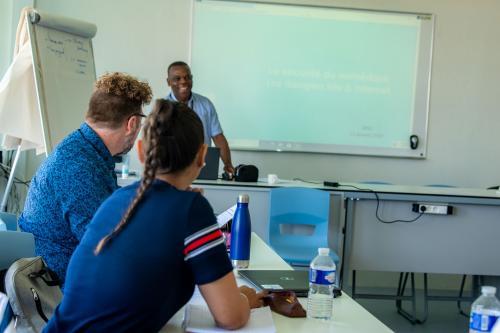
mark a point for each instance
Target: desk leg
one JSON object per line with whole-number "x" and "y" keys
{"x": 347, "y": 239}
{"x": 411, "y": 317}
{"x": 345, "y": 270}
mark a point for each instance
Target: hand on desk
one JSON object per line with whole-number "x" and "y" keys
{"x": 255, "y": 299}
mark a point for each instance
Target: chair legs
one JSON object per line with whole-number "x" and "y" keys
{"x": 460, "y": 295}
{"x": 411, "y": 317}
{"x": 459, "y": 299}
{"x": 476, "y": 281}
{"x": 399, "y": 297}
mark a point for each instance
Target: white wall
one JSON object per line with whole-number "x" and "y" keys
{"x": 5, "y": 34}
{"x": 132, "y": 37}
{"x": 140, "y": 38}
{"x": 9, "y": 17}
{"x": 464, "y": 117}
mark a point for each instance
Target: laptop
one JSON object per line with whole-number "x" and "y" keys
{"x": 275, "y": 280}
{"x": 211, "y": 169}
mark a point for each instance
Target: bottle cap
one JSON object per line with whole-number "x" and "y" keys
{"x": 488, "y": 290}
{"x": 239, "y": 264}
{"x": 243, "y": 198}
{"x": 323, "y": 251}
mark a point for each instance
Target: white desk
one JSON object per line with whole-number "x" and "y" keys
{"x": 463, "y": 243}
{"x": 348, "y": 316}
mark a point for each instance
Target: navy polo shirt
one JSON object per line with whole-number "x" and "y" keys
{"x": 148, "y": 272}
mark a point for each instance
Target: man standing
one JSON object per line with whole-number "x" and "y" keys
{"x": 79, "y": 174}
{"x": 180, "y": 81}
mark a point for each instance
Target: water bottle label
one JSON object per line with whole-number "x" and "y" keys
{"x": 321, "y": 277}
{"x": 482, "y": 322}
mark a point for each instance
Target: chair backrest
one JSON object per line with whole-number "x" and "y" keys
{"x": 298, "y": 207}
{"x": 7, "y": 322}
{"x": 10, "y": 220}
{"x": 15, "y": 245}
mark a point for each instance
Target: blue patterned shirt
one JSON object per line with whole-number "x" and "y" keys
{"x": 65, "y": 193}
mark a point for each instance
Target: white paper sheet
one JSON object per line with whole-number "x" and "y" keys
{"x": 198, "y": 319}
{"x": 19, "y": 113}
{"x": 225, "y": 216}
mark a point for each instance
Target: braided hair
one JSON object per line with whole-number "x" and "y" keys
{"x": 173, "y": 135}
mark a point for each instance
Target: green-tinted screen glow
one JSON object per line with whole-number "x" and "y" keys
{"x": 308, "y": 79}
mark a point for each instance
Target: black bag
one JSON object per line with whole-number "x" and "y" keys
{"x": 246, "y": 173}
{"x": 34, "y": 293}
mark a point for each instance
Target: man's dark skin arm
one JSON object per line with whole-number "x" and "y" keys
{"x": 225, "y": 154}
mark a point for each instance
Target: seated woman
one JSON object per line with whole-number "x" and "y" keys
{"x": 150, "y": 243}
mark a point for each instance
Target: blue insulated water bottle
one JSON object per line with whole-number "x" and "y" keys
{"x": 240, "y": 234}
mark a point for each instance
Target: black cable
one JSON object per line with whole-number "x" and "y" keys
{"x": 14, "y": 197}
{"x": 6, "y": 172}
{"x": 378, "y": 203}
{"x": 460, "y": 294}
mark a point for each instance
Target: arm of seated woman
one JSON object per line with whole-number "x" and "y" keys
{"x": 230, "y": 305}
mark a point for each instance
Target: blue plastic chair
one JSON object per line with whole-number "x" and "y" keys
{"x": 300, "y": 208}
{"x": 15, "y": 245}
{"x": 10, "y": 220}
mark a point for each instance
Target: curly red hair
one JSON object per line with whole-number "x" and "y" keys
{"x": 116, "y": 97}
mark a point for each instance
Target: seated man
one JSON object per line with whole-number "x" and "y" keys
{"x": 151, "y": 242}
{"x": 180, "y": 80}
{"x": 79, "y": 174}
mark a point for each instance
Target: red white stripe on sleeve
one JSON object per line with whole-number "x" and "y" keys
{"x": 202, "y": 241}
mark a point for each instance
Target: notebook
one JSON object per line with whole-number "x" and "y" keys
{"x": 198, "y": 319}
{"x": 297, "y": 281}
{"x": 211, "y": 169}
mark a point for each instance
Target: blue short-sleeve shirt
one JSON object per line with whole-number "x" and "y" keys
{"x": 65, "y": 193}
{"x": 144, "y": 275}
{"x": 204, "y": 108}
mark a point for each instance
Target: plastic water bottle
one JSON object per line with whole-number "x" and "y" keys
{"x": 240, "y": 234}
{"x": 321, "y": 282}
{"x": 125, "y": 166}
{"x": 484, "y": 311}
